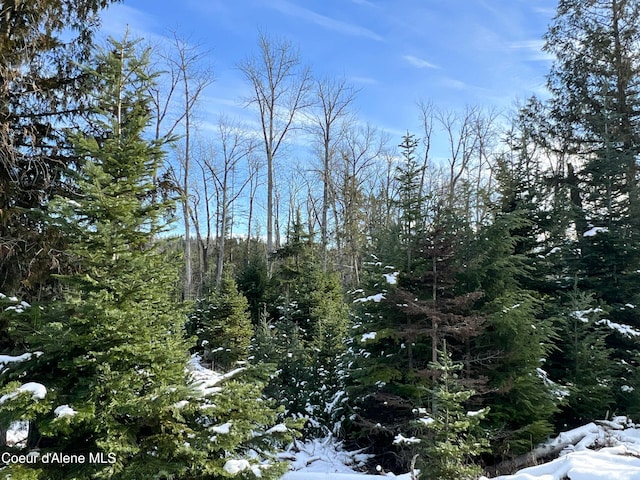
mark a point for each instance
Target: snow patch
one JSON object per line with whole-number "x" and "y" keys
{"x": 205, "y": 379}
{"x": 476, "y": 412}
{"x": 368, "y": 336}
{"x": 17, "y": 433}
{"x": 597, "y": 451}
{"x": 558, "y": 390}
{"x": 391, "y": 278}
{"x": 625, "y": 330}
{"x": 37, "y": 390}
{"x": 223, "y": 429}
{"x": 582, "y": 314}
{"x": 378, "y": 297}
{"x": 5, "y": 359}
{"x": 280, "y": 428}
{"x": 322, "y": 458}
{"x": 401, "y": 440}
{"x": 594, "y": 231}
{"x": 64, "y": 411}
{"x": 234, "y": 467}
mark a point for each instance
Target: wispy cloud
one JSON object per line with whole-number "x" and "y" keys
{"x": 118, "y": 18}
{"x": 419, "y": 62}
{"x": 329, "y": 23}
{"x": 453, "y": 83}
{"x": 366, "y": 3}
{"x": 533, "y": 49}
{"x": 546, "y": 11}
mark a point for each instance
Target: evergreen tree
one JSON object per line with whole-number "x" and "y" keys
{"x": 584, "y": 361}
{"x": 111, "y": 375}
{"x": 456, "y": 437}
{"x": 399, "y": 329}
{"x": 516, "y": 340}
{"x": 310, "y": 325}
{"x": 408, "y": 178}
{"x": 592, "y": 123}
{"x": 223, "y": 326}
{"x": 42, "y": 92}
{"x": 595, "y": 104}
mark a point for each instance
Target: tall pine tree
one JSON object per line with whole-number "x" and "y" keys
{"x": 111, "y": 377}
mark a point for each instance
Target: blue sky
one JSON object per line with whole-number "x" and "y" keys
{"x": 452, "y": 52}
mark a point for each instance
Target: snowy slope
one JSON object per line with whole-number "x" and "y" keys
{"x": 608, "y": 450}
{"x": 324, "y": 459}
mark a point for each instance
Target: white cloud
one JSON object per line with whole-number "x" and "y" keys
{"x": 532, "y": 48}
{"x": 419, "y": 62}
{"x": 329, "y": 23}
{"x": 453, "y": 83}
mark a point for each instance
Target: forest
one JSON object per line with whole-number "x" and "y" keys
{"x": 445, "y": 315}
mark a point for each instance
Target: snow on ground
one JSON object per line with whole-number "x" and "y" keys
{"x": 608, "y": 450}
{"x": 605, "y": 450}
{"x": 324, "y": 459}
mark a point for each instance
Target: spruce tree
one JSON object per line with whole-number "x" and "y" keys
{"x": 408, "y": 176}
{"x": 456, "y": 439}
{"x": 222, "y": 325}
{"x": 310, "y": 323}
{"x": 592, "y": 116}
{"x": 402, "y": 319}
{"x": 595, "y": 103}
{"x": 517, "y": 339}
{"x": 112, "y": 377}
{"x": 584, "y": 361}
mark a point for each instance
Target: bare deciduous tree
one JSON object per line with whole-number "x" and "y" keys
{"x": 329, "y": 120}
{"x": 185, "y": 80}
{"x": 360, "y": 151}
{"x": 235, "y": 146}
{"x": 281, "y": 86}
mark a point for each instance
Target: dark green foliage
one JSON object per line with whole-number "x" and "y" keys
{"x": 252, "y": 282}
{"x": 596, "y": 102}
{"x": 513, "y": 348}
{"x": 113, "y": 348}
{"x": 591, "y": 124}
{"x": 455, "y": 438}
{"x": 305, "y": 332}
{"x": 222, "y": 325}
{"x": 584, "y": 361}
{"x": 42, "y": 91}
{"x": 409, "y": 176}
{"x": 517, "y": 338}
{"x": 396, "y": 337}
